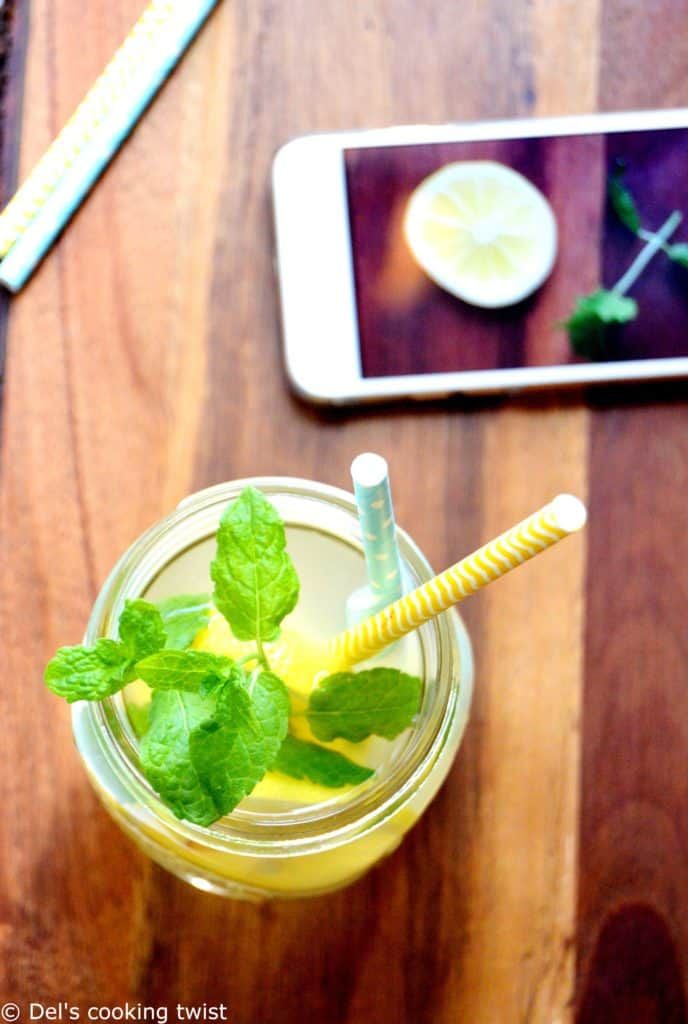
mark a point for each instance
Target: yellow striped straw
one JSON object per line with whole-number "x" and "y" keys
{"x": 562, "y": 516}
{"x": 107, "y": 91}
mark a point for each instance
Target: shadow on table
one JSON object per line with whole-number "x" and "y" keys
{"x": 597, "y": 398}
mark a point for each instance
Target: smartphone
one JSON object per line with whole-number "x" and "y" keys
{"x": 426, "y": 261}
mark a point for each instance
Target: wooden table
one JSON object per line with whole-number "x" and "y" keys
{"x": 549, "y": 881}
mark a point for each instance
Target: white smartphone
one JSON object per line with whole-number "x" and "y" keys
{"x": 426, "y": 261}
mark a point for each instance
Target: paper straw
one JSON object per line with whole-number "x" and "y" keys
{"x": 370, "y": 476}
{"x": 93, "y": 134}
{"x": 562, "y": 516}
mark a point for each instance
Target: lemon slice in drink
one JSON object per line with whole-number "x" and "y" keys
{"x": 483, "y": 232}
{"x": 299, "y": 661}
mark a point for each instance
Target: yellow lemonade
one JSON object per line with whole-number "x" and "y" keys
{"x": 289, "y": 837}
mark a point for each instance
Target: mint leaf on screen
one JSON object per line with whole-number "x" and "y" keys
{"x": 270, "y": 701}
{"x": 622, "y": 201}
{"x": 353, "y": 706}
{"x": 184, "y": 617}
{"x": 255, "y": 581}
{"x": 166, "y": 756}
{"x": 192, "y": 671}
{"x": 141, "y": 629}
{"x": 592, "y": 316}
{"x": 228, "y": 751}
{"x": 88, "y": 673}
{"x": 678, "y": 253}
{"x": 324, "y": 767}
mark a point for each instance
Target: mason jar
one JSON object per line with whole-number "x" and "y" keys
{"x": 264, "y": 849}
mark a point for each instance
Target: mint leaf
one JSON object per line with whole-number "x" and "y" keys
{"x": 679, "y": 253}
{"x": 205, "y": 753}
{"x": 192, "y": 671}
{"x": 622, "y": 201}
{"x": 255, "y": 582}
{"x": 88, "y": 673}
{"x": 377, "y": 702}
{"x": 228, "y": 751}
{"x": 166, "y": 757}
{"x": 324, "y": 767}
{"x": 592, "y": 316}
{"x": 141, "y": 629}
{"x": 93, "y": 673}
{"x": 184, "y": 617}
{"x": 270, "y": 700}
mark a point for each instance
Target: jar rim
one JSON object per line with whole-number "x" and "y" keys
{"x": 326, "y": 822}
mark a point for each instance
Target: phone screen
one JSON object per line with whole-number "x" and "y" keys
{"x": 409, "y": 324}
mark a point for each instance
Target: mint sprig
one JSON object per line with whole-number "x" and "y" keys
{"x": 603, "y": 310}
{"x": 94, "y": 673}
{"x": 354, "y": 705}
{"x": 215, "y": 726}
{"x": 255, "y": 581}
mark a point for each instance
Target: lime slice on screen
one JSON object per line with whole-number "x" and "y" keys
{"x": 483, "y": 232}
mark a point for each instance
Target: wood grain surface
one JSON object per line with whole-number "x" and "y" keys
{"x": 549, "y": 880}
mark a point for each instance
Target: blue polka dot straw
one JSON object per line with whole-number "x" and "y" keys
{"x": 73, "y": 162}
{"x": 378, "y": 533}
